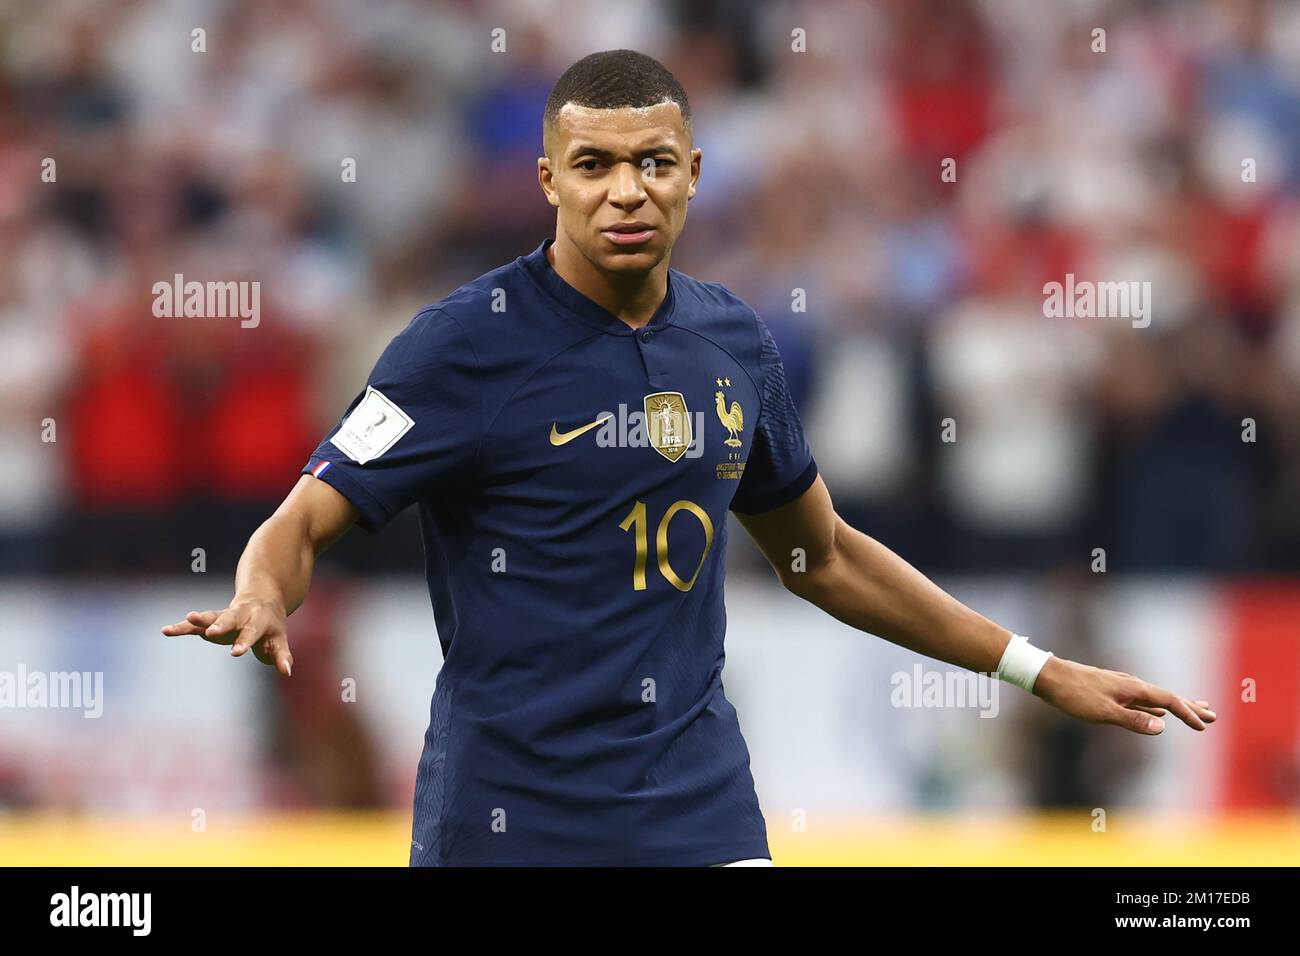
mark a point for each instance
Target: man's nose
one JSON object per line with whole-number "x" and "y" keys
{"x": 627, "y": 187}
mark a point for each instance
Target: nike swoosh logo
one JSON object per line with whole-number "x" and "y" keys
{"x": 560, "y": 438}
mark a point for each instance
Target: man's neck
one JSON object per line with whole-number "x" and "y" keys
{"x": 633, "y": 297}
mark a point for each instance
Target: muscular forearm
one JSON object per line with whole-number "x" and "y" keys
{"x": 273, "y": 575}
{"x": 277, "y": 563}
{"x": 865, "y": 585}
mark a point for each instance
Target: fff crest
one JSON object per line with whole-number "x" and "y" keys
{"x": 668, "y": 423}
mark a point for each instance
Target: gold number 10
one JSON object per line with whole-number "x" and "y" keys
{"x": 637, "y": 516}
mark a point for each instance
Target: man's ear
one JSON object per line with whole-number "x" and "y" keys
{"x": 697, "y": 155}
{"x": 547, "y": 181}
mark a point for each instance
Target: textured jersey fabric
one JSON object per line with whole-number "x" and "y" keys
{"x": 573, "y": 477}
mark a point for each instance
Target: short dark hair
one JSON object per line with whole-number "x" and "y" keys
{"x": 613, "y": 79}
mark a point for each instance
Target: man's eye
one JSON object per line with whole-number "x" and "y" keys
{"x": 589, "y": 165}
{"x": 663, "y": 162}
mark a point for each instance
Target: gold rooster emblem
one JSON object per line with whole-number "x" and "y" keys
{"x": 732, "y": 420}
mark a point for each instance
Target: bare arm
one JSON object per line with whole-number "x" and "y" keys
{"x": 274, "y": 574}
{"x": 859, "y": 581}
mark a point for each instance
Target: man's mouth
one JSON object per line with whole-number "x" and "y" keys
{"x": 628, "y": 233}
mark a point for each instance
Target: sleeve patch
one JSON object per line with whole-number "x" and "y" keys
{"x": 374, "y": 426}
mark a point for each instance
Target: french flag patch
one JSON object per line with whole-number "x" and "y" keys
{"x": 320, "y": 469}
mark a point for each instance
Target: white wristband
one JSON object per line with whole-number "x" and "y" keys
{"x": 1021, "y": 662}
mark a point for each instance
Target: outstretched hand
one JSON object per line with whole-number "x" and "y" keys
{"x": 1111, "y": 697}
{"x": 245, "y": 625}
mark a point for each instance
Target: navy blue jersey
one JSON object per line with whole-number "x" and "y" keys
{"x": 573, "y": 477}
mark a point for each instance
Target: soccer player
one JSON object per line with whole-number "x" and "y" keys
{"x": 574, "y": 427}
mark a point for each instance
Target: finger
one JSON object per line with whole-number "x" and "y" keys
{"x": 225, "y": 629}
{"x": 283, "y": 659}
{"x": 1181, "y": 708}
{"x": 264, "y": 649}
{"x": 274, "y": 651}
{"x": 1203, "y": 708}
{"x": 1185, "y": 712}
{"x": 1137, "y": 721}
{"x": 247, "y": 637}
{"x": 196, "y": 622}
{"x": 1157, "y": 711}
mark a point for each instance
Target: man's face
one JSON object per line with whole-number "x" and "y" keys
{"x": 608, "y": 168}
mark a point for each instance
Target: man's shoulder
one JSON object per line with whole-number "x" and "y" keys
{"x": 483, "y": 315}
{"x": 487, "y": 295}
{"x": 714, "y": 296}
{"x": 714, "y": 311}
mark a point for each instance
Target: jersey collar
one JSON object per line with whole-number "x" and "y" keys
{"x": 588, "y": 310}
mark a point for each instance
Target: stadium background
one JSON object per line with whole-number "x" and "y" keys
{"x": 821, "y": 172}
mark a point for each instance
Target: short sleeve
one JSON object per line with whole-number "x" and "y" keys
{"x": 413, "y": 430}
{"x": 780, "y": 467}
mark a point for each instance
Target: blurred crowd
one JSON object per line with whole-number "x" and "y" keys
{"x": 891, "y": 199}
